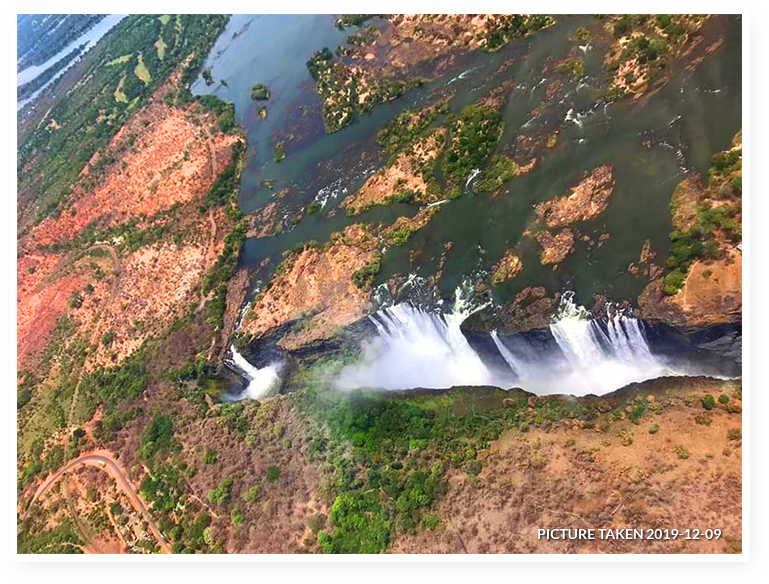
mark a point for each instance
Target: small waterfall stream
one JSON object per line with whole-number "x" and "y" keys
{"x": 261, "y": 382}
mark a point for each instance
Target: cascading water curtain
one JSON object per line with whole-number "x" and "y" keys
{"x": 417, "y": 348}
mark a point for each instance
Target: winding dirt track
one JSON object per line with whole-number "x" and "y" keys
{"x": 68, "y": 261}
{"x": 104, "y": 460}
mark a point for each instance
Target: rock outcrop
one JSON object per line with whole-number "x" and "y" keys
{"x": 589, "y": 198}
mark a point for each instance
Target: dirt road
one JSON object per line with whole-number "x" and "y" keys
{"x": 104, "y": 460}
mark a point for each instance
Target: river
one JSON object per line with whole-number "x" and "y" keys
{"x": 89, "y": 38}
{"x": 693, "y": 116}
{"x": 651, "y": 143}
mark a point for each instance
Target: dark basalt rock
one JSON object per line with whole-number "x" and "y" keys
{"x": 264, "y": 351}
{"x": 484, "y": 345}
{"x": 721, "y": 339}
{"x": 234, "y": 381}
{"x": 540, "y": 340}
{"x": 716, "y": 350}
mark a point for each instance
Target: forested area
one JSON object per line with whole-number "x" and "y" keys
{"x": 127, "y": 69}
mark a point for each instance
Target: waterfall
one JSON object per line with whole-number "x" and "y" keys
{"x": 417, "y": 348}
{"x": 522, "y": 359}
{"x": 592, "y": 356}
{"x": 578, "y": 337}
{"x": 260, "y": 381}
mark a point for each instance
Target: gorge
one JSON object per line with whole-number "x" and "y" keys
{"x": 579, "y": 354}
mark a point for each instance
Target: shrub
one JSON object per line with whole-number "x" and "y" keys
{"x": 75, "y": 300}
{"x": 23, "y": 396}
{"x": 644, "y": 49}
{"x": 501, "y": 170}
{"x": 638, "y": 411}
{"x": 623, "y": 26}
{"x": 708, "y": 401}
{"x": 224, "y": 111}
{"x": 407, "y": 128}
{"x": 221, "y": 494}
{"x": 364, "y": 277}
{"x": 361, "y": 525}
{"x": 431, "y": 521}
{"x": 574, "y": 65}
{"x": 626, "y": 437}
{"x": 474, "y": 467}
{"x": 260, "y": 91}
{"x": 615, "y": 92}
{"x": 253, "y": 493}
{"x": 734, "y": 434}
{"x": 455, "y": 192}
{"x": 723, "y": 398}
{"x": 475, "y": 133}
{"x": 237, "y": 517}
{"x": 581, "y": 35}
{"x": 401, "y": 196}
{"x": 654, "y": 428}
{"x": 510, "y": 26}
{"x": 352, "y": 20}
{"x": 316, "y": 522}
{"x": 158, "y": 436}
{"x": 664, "y": 20}
{"x": 273, "y": 473}
{"x": 682, "y": 452}
{"x": 279, "y": 152}
{"x": 319, "y": 61}
{"x": 210, "y": 457}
